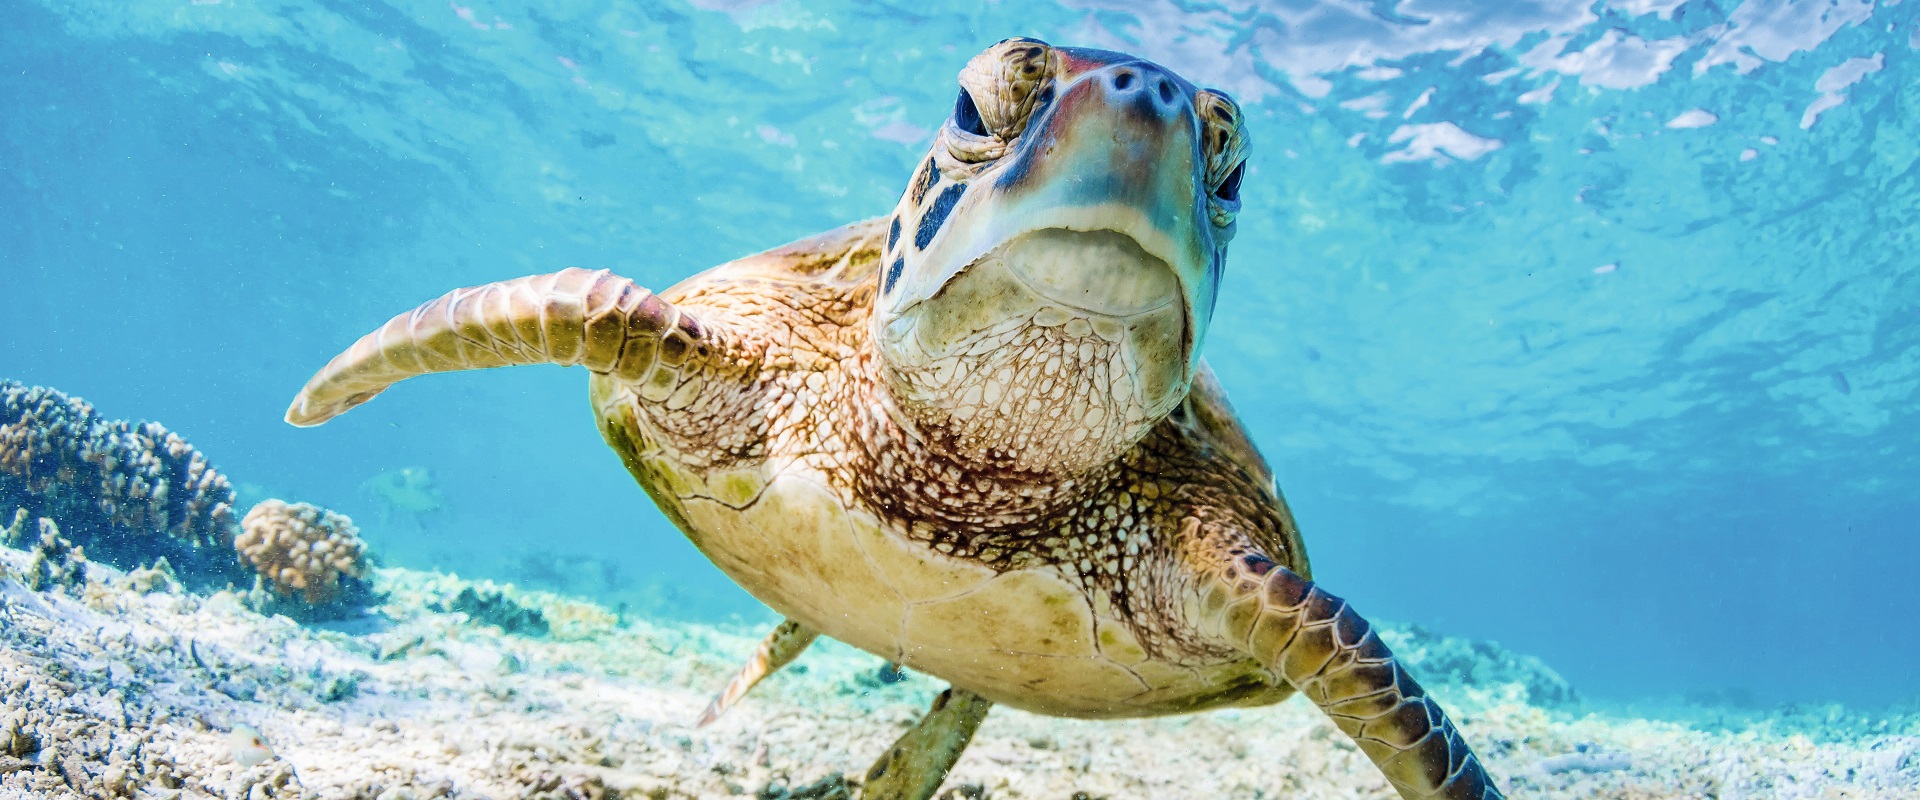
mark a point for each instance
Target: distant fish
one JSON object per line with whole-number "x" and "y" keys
{"x": 1840, "y": 382}
{"x": 1606, "y": 268}
{"x": 408, "y": 493}
{"x": 249, "y": 747}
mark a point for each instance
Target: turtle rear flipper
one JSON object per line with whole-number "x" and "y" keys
{"x": 1318, "y": 644}
{"x": 920, "y": 759}
{"x": 591, "y": 318}
{"x": 780, "y": 648}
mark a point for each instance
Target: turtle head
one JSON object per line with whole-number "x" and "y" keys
{"x": 1050, "y": 270}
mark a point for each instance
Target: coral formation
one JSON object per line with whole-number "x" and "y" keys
{"x": 490, "y": 606}
{"x": 1464, "y": 662}
{"x": 112, "y": 484}
{"x": 155, "y": 578}
{"x": 304, "y": 550}
{"x": 15, "y": 534}
{"x": 56, "y": 561}
{"x": 137, "y": 494}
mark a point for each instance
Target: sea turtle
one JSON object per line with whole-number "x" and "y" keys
{"x": 975, "y": 437}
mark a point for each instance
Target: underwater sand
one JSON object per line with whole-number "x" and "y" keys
{"x": 120, "y": 690}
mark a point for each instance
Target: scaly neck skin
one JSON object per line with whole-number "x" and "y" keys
{"x": 954, "y": 445}
{"x": 1023, "y": 398}
{"x": 1050, "y": 354}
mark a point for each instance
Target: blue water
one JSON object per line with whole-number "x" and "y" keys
{"x": 1593, "y": 329}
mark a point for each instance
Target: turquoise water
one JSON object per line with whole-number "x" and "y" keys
{"x": 1593, "y": 329}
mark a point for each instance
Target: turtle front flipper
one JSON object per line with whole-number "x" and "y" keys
{"x": 1319, "y": 645}
{"x": 780, "y": 648}
{"x": 591, "y": 318}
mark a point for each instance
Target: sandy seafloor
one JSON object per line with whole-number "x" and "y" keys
{"x": 132, "y": 688}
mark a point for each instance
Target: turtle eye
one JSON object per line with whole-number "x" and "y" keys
{"x": 1224, "y": 146}
{"x": 1229, "y": 189}
{"x": 1000, "y": 89}
{"x": 969, "y": 139}
{"x": 966, "y": 115}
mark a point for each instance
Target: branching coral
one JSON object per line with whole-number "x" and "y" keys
{"x": 15, "y": 534}
{"x": 135, "y": 494}
{"x": 56, "y": 561}
{"x": 183, "y": 494}
{"x": 43, "y": 436}
{"x": 112, "y": 484}
{"x": 304, "y": 550}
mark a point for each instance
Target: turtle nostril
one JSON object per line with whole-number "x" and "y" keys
{"x": 1166, "y": 90}
{"x": 1122, "y": 80}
